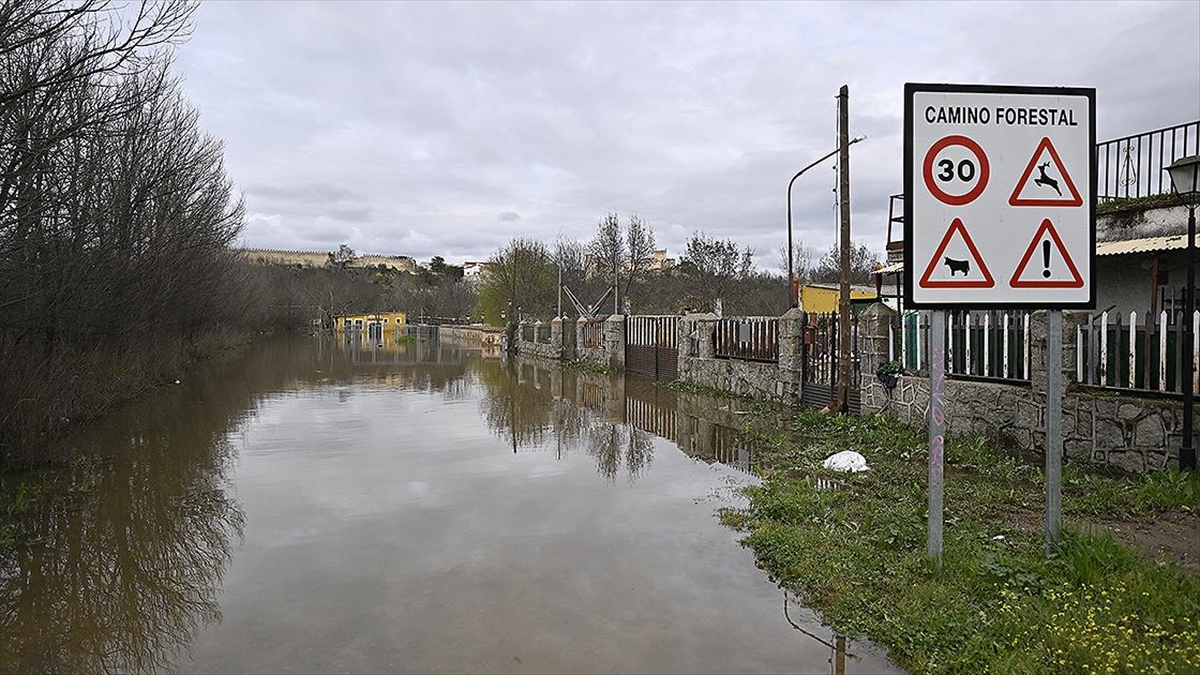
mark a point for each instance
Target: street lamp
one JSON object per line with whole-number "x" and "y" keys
{"x": 1185, "y": 175}
{"x": 791, "y": 296}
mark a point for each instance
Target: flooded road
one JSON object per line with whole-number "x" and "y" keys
{"x": 320, "y": 507}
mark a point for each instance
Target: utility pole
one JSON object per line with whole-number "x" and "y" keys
{"x": 615, "y": 284}
{"x": 843, "y": 370}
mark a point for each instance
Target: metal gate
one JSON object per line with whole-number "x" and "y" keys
{"x": 820, "y": 359}
{"x": 652, "y": 346}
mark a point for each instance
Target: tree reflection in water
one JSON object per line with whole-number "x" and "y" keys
{"x": 116, "y": 562}
{"x": 547, "y": 408}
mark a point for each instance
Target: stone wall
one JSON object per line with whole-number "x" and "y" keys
{"x": 1122, "y": 430}
{"x": 471, "y": 336}
{"x": 552, "y": 348}
{"x": 611, "y": 353}
{"x": 698, "y": 365}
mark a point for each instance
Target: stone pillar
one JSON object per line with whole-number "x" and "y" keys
{"x": 702, "y": 332}
{"x": 556, "y": 336}
{"x": 791, "y": 355}
{"x": 519, "y": 339}
{"x": 537, "y": 327}
{"x": 1037, "y": 353}
{"x": 614, "y": 341}
{"x": 580, "y": 345}
{"x": 874, "y": 327}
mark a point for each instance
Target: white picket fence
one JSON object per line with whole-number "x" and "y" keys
{"x": 1144, "y": 353}
{"x": 993, "y": 345}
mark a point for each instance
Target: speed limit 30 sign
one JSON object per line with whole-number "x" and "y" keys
{"x": 1000, "y": 194}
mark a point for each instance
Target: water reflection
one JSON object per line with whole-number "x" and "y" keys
{"x": 836, "y": 643}
{"x": 611, "y": 417}
{"x": 116, "y": 564}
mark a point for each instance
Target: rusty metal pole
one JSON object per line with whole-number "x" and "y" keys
{"x": 843, "y": 374}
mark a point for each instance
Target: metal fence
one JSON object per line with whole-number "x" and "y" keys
{"x": 819, "y": 358}
{"x": 1144, "y": 353}
{"x": 541, "y": 333}
{"x": 1133, "y": 166}
{"x": 653, "y": 331}
{"x": 593, "y": 333}
{"x": 991, "y": 345}
{"x": 747, "y": 338}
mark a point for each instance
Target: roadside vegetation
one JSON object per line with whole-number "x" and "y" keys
{"x": 853, "y": 546}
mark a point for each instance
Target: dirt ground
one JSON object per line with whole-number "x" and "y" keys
{"x": 1173, "y": 535}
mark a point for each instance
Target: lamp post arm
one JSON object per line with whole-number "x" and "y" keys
{"x": 789, "y": 216}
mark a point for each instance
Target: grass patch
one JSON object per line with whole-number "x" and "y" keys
{"x": 582, "y": 366}
{"x": 853, "y": 546}
{"x": 701, "y": 390}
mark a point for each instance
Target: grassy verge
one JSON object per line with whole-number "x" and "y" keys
{"x": 582, "y": 366}
{"x": 854, "y": 547}
{"x": 699, "y": 389}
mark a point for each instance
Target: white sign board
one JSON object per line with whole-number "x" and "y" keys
{"x": 1000, "y": 196}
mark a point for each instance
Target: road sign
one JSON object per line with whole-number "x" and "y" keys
{"x": 1000, "y": 195}
{"x": 966, "y": 270}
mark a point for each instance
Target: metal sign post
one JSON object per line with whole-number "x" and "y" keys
{"x": 937, "y": 431}
{"x": 1054, "y": 441}
{"x": 999, "y": 213}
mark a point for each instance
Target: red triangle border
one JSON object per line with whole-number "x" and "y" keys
{"x": 1046, "y": 226}
{"x": 1015, "y": 198}
{"x": 986, "y": 282}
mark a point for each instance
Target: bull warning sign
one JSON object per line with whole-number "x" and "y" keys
{"x": 957, "y": 263}
{"x": 1000, "y": 194}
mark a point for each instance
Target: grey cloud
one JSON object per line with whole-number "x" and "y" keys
{"x": 509, "y": 216}
{"x": 412, "y": 125}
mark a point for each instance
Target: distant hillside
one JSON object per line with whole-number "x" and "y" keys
{"x": 269, "y": 256}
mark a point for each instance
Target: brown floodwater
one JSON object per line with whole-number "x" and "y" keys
{"x": 325, "y": 506}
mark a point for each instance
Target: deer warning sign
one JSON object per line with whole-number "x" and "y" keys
{"x": 1050, "y": 187}
{"x": 1000, "y": 195}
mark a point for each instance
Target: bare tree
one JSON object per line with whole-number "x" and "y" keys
{"x": 606, "y": 251}
{"x": 640, "y": 246}
{"x": 801, "y": 261}
{"x": 862, "y": 263}
{"x": 715, "y": 263}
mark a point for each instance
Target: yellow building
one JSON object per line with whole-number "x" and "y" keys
{"x": 375, "y": 323}
{"x": 823, "y": 298}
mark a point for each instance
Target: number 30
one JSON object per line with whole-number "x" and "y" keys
{"x": 966, "y": 170}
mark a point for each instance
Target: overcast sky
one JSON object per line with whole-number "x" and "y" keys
{"x": 428, "y": 128}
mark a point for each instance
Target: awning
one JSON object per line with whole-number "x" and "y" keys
{"x": 889, "y": 269}
{"x": 1174, "y": 242}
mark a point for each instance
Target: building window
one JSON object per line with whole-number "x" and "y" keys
{"x": 385, "y": 320}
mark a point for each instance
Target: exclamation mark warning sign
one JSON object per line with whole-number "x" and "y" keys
{"x": 1054, "y": 268}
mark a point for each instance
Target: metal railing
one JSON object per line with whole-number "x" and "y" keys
{"x": 992, "y": 345}
{"x": 747, "y": 338}
{"x": 1132, "y": 166}
{"x": 653, "y": 331}
{"x": 1145, "y": 357}
{"x": 593, "y": 333}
